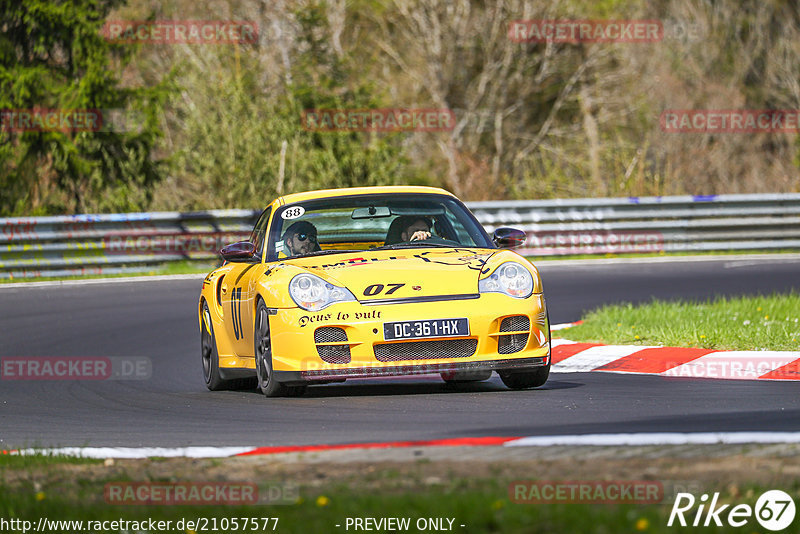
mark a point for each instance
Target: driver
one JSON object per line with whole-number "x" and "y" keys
{"x": 300, "y": 238}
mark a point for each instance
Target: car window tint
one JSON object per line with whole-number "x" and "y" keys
{"x": 260, "y": 231}
{"x": 342, "y": 223}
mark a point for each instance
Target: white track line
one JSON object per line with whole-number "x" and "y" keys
{"x": 658, "y": 438}
{"x": 141, "y": 452}
{"x": 95, "y": 281}
{"x": 669, "y": 259}
{"x": 562, "y": 326}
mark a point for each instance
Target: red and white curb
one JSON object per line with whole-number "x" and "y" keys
{"x": 224, "y": 452}
{"x": 683, "y": 362}
{"x": 598, "y": 440}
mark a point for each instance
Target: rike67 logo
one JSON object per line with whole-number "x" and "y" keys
{"x": 774, "y": 510}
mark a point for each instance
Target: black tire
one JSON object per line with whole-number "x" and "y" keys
{"x": 529, "y": 379}
{"x": 210, "y": 359}
{"x": 467, "y": 377}
{"x": 208, "y": 353}
{"x": 267, "y": 383}
{"x": 525, "y": 379}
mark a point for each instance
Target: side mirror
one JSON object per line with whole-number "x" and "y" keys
{"x": 505, "y": 237}
{"x": 242, "y": 250}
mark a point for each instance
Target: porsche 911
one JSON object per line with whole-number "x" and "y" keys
{"x": 372, "y": 282}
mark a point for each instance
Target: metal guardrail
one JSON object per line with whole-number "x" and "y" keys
{"x": 33, "y": 247}
{"x": 650, "y": 224}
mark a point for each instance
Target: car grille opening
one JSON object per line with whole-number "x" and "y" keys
{"x": 329, "y": 334}
{"x": 332, "y": 353}
{"x": 512, "y": 343}
{"x": 425, "y": 350}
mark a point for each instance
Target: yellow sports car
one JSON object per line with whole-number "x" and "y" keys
{"x": 372, "y": 282}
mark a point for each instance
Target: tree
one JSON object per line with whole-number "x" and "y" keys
{"x": 237, "y": 134}
{"x": 53, "y": 57}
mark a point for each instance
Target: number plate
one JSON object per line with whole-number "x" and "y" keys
{"x": 429, "y": 328}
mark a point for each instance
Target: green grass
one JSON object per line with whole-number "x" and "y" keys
{"x": 27, "y": 461}
{"x": 745, "y": 323}
{"x": 482, "y": 508}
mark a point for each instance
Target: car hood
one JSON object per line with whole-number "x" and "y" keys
{"x": 403, "y": 273}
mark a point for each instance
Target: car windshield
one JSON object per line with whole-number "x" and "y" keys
{"x": 371, "y": 222}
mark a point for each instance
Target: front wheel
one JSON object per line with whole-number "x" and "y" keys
{"x": 525, "y": 379}
{"x": 465, "y": 377}
{"x": 263, "y": 353}
{"x": 530, "y": 379}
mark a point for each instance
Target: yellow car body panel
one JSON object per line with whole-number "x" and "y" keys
{"x": 391, "y": 286}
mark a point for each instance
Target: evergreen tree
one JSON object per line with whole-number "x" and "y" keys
{"x": 53, "y": 57}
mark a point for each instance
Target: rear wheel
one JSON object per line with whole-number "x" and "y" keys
{"x": 209, "y": 354}
{"x": 210, "y": 359}
{"x": 267, "y": 383}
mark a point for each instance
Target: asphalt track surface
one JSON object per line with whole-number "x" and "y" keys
{"x": 157, "y": 319}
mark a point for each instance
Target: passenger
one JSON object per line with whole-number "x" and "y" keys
{"x": 417, "y": 230}
{"x": 408, "y": 228}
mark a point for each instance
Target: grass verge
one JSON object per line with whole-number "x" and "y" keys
{"x": 744, "y": 323}
{"x": 478, "y": 510}
{"x": 29, "y": 461}
{"x": 473, "y": 494}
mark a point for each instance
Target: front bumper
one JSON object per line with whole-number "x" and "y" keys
{"x": 296, "y": 356}
{"x": 298, "y": 377}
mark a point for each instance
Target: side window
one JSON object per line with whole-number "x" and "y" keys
{"x": 260, "y": 231}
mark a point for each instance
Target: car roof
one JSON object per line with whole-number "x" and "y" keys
{"x": 347, "y": 191}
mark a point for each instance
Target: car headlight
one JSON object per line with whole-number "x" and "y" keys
{"x": 312, "y": 293}
{"x": 510, "y": 278}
